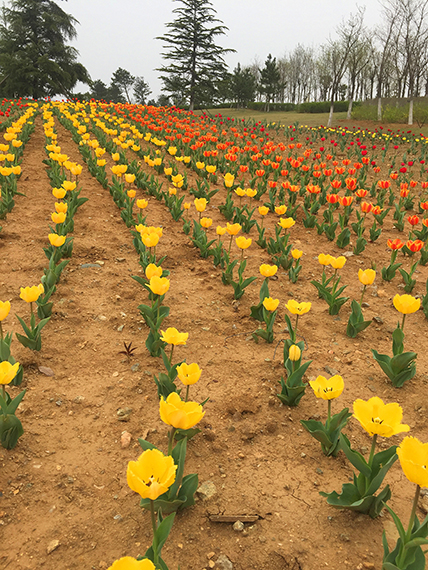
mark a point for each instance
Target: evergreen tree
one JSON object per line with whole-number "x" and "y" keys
{"x": 34, "y": 58}
{"x": 141, "y": 91}
{"x": 123, "y": 81}
{"x": 270, "y": 79}
{"x": 243, "y": 85}
{"x": 196, "y": 63}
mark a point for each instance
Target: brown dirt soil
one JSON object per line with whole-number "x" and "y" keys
{"x": 66, "y": 479}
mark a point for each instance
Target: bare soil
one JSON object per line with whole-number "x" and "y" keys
{"x": 66, "y": 479}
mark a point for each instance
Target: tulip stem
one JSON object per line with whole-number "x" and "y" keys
{"x": 402, "y": 322}
{"x": 187, "y": 392}
{"x": 362, "y": 295}
{"x": 328, "y": 412}
{"x": 154, "y": 526}
{"x": 403, "y": 549}
{"x": 170, "y": 356}
{"x": 295, "y": 326}
{"x": 171, "y": 440}
{"x": 1, "y": 332}
{"x": 372, "y": 450}
{"x": 3, "y": 392}
{"x": 413, "y": 513}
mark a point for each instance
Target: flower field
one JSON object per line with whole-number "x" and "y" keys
{"x": 207, "y": 328}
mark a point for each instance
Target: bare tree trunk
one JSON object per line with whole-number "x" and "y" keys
{"x": 348, "y": 114}
{"x": 330, "y": 117}
{"x": 410, "y": 121}
{"x": 379, "y": 108}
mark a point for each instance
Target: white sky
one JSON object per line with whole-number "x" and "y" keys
{"x": 114, "y": 34}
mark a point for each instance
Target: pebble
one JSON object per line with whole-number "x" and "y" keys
{"x": 238, "y": 526}
{"x": 120, "y": 328}
{"x": 53, "y": 545}
{"x": 124, "y": 414}
{"x": 101, "y": 318}
{"x": 135, "y": 367}
{"x": 120, "y": 259}
{"x": 46, "y": 371}
{"x": 330, "y": 370}
{"x": 207, "y": 490}
{"x": 378, "y": 320}
{"x": 88, "y": 265}
{"x": 99, "y": 262}
{"x": 224, "y": 563}
{"x": 125, "y": 439}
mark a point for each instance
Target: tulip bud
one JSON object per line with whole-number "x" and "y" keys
{"x": 294, "y": 353}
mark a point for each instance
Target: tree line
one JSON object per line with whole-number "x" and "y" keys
{"x": 358, "y": 63}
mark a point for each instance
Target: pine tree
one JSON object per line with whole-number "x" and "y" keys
{"x": 196, "y": 63}
{"x": 34, "y": 58}
{"x": 270, "y": 79}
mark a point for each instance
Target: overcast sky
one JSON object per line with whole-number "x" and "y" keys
{"x": 114, "y": 34}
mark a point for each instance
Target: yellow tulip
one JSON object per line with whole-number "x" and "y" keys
{"x": 296, "y": 308}
{"x": 250, "y": 192}
{"x": 172, "y": 336}
{"x": 61, "y": 207}
{"x": 210, "y": 168}
{"x": 101, "y": 162}
{"x": 406, "y": 304}
{"x": 296, "y": 253}
{"x": 142, "y": 204}
{"x": 56, "y": 240}
{"x": 130, "y": 178}
{"x": 187, "y": 205}
{"x": 294, "y": 353}
{"x": 31, "y": 294}
{"x": 240, "y": 192}
{"x": 189, "y": 373}
{"x": 172, "y": 150}
{"x": 233, "y": 229}
{"x": 268, "y": 270}
{"x": 228, "y": 180}
{"x": 243, "y": 242}
{"x": 150, "y": 240}
{"x": 206, "y": 222}
{"x": 413, "y": 456}
{"x": 181, "y": 415}
{"x": 59, "y": 193}
{"x": 200, "y": 204}
{"x": 324, "y": 259}
{"x": 263, "y": 210}
{"x": 152, "y": 474}
{"x": 4, "y": 310}
{"x": 8, "y": 371}
{"x": 131, "y": 193}
{"x": 200, "y": 165}
{"x": 178, "y": 180}
{"x": 58, "y": 218}
{"x": 69, "y": 186}
{"x": 129, "y": 563}
{"x": 220, "y": 231}
{"x": 327, "y": 389}
{"x": 270, "y": 304}
{"x": 286, "y": 223}
{"x": 280, "y": 210}
{"x": 367, "y": 276}
{"x": 337, "y": 262}
{"x": 159, "y": 285}
{"x": 152, "y": 270}
{"x": 115, "y": 156}
{"x": 379, "y": 418}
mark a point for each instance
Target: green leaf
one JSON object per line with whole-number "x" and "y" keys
{"x": 355, "y": 458}
{"x": 12, "y": 406}
{"x": 145, "y": 445}
{"x": 10, "y": 430}
{"x": 163, "y": 531}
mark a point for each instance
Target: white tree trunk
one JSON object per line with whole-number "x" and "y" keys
{"x": 348, "y": 114}
{"x": 379, "y": 109}
{"x": 410, "y": 121}
{"x": 330, "y": 117}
